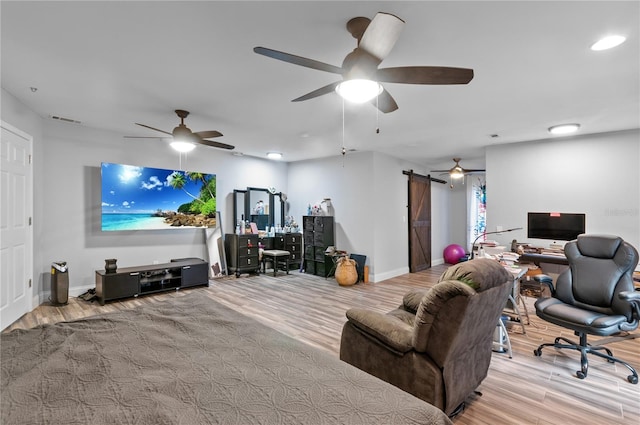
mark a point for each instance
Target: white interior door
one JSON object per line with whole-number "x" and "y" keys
{"x": 16, "y": 253}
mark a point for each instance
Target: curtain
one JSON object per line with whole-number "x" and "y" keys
{"x": 477, "y": 213}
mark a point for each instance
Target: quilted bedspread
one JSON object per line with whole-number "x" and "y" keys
{"x": 188, "y": 360}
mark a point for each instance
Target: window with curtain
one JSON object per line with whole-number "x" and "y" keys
{"x": 477, "y": 214}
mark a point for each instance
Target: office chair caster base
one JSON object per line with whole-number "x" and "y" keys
{"x": 580, "y": 374}
{"x": 537, "y": 352}
{"x": 633, "y": 379}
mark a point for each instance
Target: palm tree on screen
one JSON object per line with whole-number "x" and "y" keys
{"x": 177, "y": 180}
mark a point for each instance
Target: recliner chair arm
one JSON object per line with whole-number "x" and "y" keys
{"x": 634, "y": 299}
{"x": 389, "y": 330}
{"x": 544, "y": 279}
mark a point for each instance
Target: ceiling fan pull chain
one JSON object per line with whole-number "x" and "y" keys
{"x": 377, "y": 113}
{"x": 344, "y": 151}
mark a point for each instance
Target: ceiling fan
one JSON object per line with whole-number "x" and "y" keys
{"x": 183, "y": 134}
{"x": 375, "y": 38}
{"x": 457, "y": 172}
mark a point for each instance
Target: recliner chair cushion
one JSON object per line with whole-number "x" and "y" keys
{"x": 430, "y": 307}
{"x": 480, "y": 274}
{"x": 411, "y": 300}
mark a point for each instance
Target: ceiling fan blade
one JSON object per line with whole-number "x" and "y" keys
{"x": 381, "y": 35}
{"x": 425, "y": 75}
{"x": 215, "y": 144}
{"x": 153, "y": 128}
{"x": 208, "y": 134}
{"x": 466, "y": 171}
{"x": 319, "y": 92}
{"x": 298, "y": 60}
{"x": 385, "y": 102}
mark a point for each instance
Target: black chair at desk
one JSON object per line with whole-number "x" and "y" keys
{"x": 595, "y": 296}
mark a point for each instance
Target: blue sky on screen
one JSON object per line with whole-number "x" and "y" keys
{"x": 132, "y": 189}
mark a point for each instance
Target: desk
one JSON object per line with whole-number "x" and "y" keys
{"x": 529, "y": 257}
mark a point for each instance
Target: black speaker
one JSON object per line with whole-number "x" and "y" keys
{"x": 59, "y": 283}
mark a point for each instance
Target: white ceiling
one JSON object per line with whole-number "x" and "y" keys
{"x": 110, "y": 64}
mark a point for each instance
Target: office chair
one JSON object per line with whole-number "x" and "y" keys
{"x": 594, "y": 296}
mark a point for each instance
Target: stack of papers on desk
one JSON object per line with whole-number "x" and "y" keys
{"x": 509, "y": 258}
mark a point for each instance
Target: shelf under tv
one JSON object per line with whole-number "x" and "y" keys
{"x": 134, "y": 281}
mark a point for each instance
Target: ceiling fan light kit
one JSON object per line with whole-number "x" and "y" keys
{"x": 182, "y": 146}
{"x": 456, "y": 173}
{"x": 358, "y": 90}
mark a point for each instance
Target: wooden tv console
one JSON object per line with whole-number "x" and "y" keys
{"x": 133, "y": 281}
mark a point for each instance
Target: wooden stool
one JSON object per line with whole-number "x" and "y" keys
{"x": 275, "y": 256}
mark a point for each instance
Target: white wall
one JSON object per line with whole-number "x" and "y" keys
{"x": 369, "y": 201}
{"x": 368, "y": 194}
{"x": 598, "y": 175}
{"x": 67, "y": 200}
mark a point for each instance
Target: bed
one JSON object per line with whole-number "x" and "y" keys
{"x": 188, "y": 360}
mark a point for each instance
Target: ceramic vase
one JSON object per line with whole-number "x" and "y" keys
{"x": 110, "y": 265}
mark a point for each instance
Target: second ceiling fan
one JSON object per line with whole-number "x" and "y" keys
{"x": 183, "y": 134}
{"x": 375, "y": 38}
{"x": 457, "y": 172}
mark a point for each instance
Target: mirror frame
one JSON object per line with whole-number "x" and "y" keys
{"x": 237, "y": 192}
{"x": 272, "y": 203}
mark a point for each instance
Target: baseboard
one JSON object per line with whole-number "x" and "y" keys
{"x": 379, "y": 277}
{"x": 45, "y": 297}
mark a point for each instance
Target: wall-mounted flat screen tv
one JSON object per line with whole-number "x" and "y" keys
{"x": 554, "y": 225}
{"x": 144, "y": 198}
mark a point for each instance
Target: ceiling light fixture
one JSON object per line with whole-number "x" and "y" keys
{"x": 358, "y": 90}
{"x": 564, "y": 128}
{"x": 182, "y": 146}
{"x": 274, "y": 155}
{"x": 456, "y": 173}
{"x": 608, "y": 42}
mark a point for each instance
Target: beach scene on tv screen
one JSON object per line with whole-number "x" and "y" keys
{"x": 145, "y": 198}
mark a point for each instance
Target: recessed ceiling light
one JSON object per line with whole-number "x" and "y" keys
{"x": 608, "y": 42}
{"x": 274, "y": 155}
{"x": 564, "y": 128}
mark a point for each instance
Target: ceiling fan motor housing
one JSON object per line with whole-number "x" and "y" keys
{"x": 360, "y": 64}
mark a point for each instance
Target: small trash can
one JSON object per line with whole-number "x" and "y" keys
{"x": 59, "y": 283}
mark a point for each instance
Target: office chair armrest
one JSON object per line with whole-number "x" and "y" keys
{"x": 633, "y": 297}
{"x": 630, "y": 296}
{"x": 543, "y": 279}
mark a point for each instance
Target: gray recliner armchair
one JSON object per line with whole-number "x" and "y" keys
{"x": 595, "y": 296}
{"x": 437, "y": 344}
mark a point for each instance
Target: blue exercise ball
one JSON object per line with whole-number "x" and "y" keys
{"x": 453, "y": 253}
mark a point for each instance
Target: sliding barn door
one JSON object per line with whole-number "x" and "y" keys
{"x": 419, "y": 222}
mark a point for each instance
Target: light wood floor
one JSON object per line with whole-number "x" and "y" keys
{"x": 522, "y": 390}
